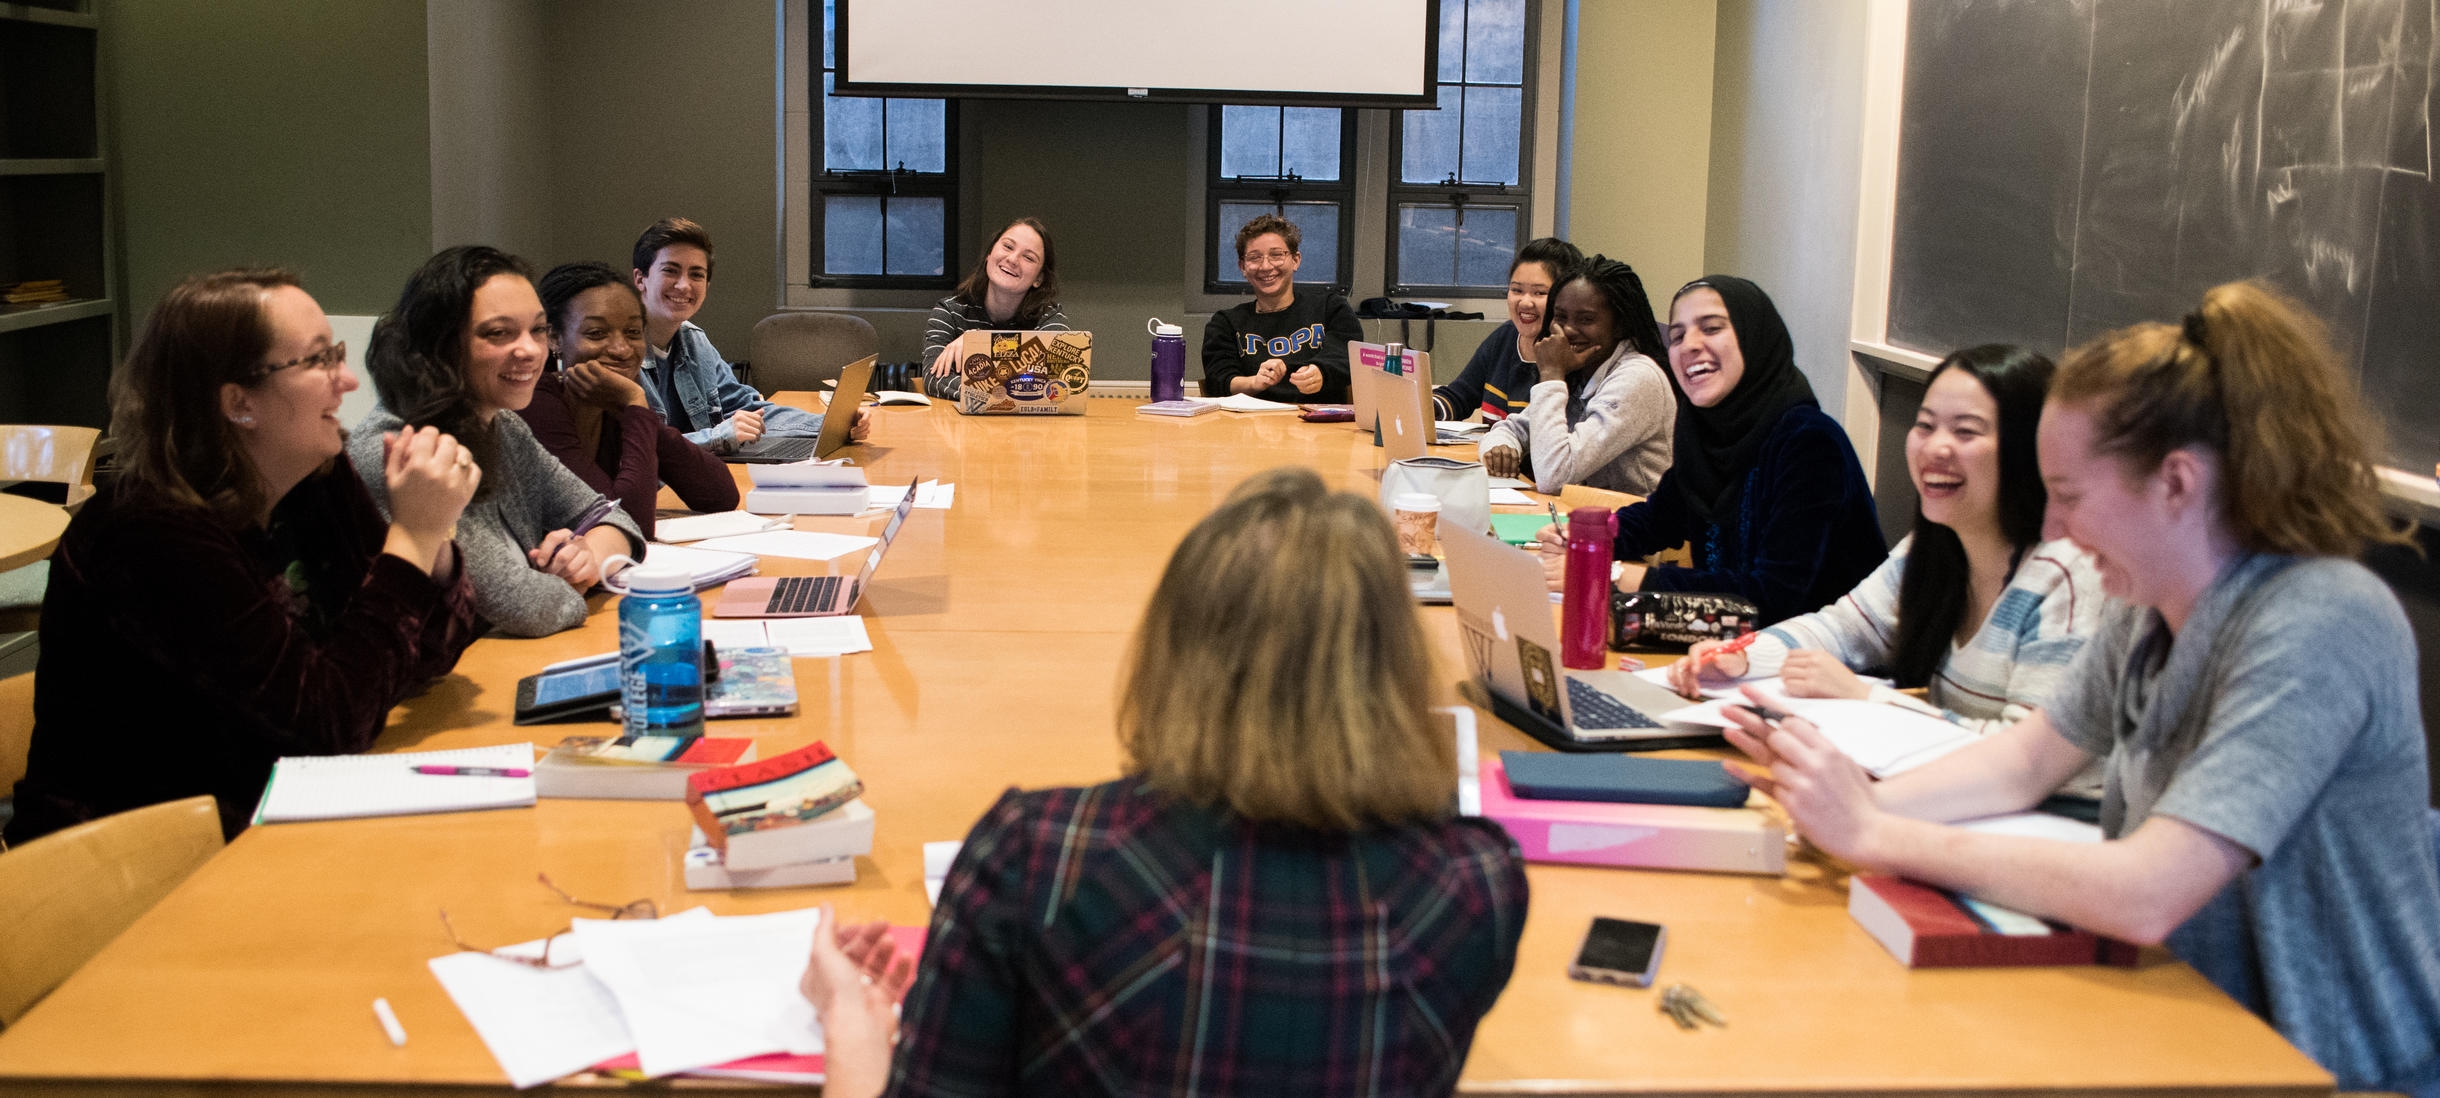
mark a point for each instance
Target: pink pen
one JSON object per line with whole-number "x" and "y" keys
{"x": 473, "y": 771}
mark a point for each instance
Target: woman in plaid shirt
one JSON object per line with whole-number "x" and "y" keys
{"x": 1275, "y": 899}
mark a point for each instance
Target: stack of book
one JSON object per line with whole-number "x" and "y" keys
{"x": 807, "y": 488}
{"x": 640, "y": 768}
{"x": 34, "y": 293}
{"x": 792, "y": 819}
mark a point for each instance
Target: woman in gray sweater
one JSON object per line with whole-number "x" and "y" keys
{"x": 466, "y": 342}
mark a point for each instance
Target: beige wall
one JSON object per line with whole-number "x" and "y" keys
{"x": 1786, "y": 168}
{"x": 263, "y": 132}
{"x": 492, "y": 181}
{"x": 1641, "y": 186}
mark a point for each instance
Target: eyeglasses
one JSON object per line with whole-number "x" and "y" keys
{"x": 635, "y": 909}
{"x": 328, "y": 360}
{"x": 1267, "y": 259}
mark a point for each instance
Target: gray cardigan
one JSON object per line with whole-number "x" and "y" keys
{"x": 527, "y": 497}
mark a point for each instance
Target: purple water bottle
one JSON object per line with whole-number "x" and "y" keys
{"x": 1168, "y": 360}
{"x": 1584, "y": 605}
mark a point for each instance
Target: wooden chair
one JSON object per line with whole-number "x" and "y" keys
{"x": 52, "y": 455}
{"x": 1584, "y": 495}
{"x": 803, "y": 349}
{"x": 66, "y": 895}
{"x": 16, "y": 727}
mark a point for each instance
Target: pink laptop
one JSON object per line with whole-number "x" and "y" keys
{"x": 810, "y": 596}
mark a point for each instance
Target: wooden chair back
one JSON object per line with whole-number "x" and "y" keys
{"x": 68, "y": 894}
{"x": 53, "y": 455}
{"x": 16, "y": 727}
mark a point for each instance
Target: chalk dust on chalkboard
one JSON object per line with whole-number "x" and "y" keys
{"x": 2067, "y": 167}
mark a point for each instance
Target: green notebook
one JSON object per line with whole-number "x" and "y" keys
{"x": 1518, "y": 528}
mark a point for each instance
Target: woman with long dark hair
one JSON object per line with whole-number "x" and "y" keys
{"x": 466, "y": 342}
{"x": 1973, "y": 607}
{"x": 1013, "y": 287}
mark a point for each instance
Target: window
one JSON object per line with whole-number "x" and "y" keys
{"x": 1297, "y": 162}
{"x": 884, "y": 185}
{"x": 1458, "y": 204}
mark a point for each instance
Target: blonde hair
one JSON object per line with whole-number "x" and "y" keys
{"x": 2250, "y": 376}
{"x": 1280, "y": 670}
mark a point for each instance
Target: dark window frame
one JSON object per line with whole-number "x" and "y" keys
{"x": 883, "y": 183}
{"x": 1278, "y": 192}
{"x": 1517, "y": 196}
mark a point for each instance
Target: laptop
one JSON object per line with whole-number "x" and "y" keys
{"x": 1022, "y": 373}
{"x": 1512, "y": 648}
{"x": 1364, "y": 368}
{"x": 811, "y": 596}
{"x": 777, "y": 451}
{"x": 1406, "y": 415}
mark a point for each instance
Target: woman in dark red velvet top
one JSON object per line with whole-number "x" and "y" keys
{"x": 590, "y": 413}
{"x": 233, "y": 596}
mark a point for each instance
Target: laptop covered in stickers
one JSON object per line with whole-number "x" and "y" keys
{"x": 1022, "y": 373}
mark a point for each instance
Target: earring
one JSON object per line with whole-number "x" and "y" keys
{"x": 242, "y": 421}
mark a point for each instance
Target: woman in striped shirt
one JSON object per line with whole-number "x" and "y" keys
{"x": 1994, "y": 614}
{"x": 1013, "y": 288}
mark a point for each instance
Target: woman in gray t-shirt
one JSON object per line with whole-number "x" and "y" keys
{"x": 2264, "y": 802}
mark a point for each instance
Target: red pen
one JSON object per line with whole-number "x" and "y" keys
{"x": 473, "y": 771}
{"x": 1737, "y": 645}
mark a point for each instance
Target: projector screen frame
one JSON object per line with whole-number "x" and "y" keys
{"x": 1429, "y": 99}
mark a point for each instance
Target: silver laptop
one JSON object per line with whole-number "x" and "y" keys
{"x": 1511, "y": 638}
{"x": 770, "y": 450}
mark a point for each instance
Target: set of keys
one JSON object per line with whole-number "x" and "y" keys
{"x": 1688, "y": 1008}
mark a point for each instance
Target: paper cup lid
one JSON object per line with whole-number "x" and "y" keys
{"x": 1417, "y": 501}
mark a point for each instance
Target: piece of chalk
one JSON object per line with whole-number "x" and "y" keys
{"x": 389, "y": 1022}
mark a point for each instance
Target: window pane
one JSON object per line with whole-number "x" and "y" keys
{"x": 851, "y": 132}
{"x": 1452, "y": 41}
{"x": 1427, "y": 245}
{"x": 830, "y": 20}
{"x": 1495, "y": 42}
{"x": 1493, "y": 119}
{"x": 1427, "y": 150}
{"x": 1486, "y": 241}
{"x": 1312, "y": 139}
{"x": 918, "y": 134}
{"x": 1249, "y": 142}
{"x": 1318, "y": 222}
{"x": 916, "y": 230}
{"x": 851, "y": 235}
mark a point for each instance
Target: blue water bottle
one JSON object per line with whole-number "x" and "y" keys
{"x": 1168, "y": 360}
{"x": 660, "y": 652}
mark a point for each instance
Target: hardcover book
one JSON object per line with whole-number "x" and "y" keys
{"x": 1926, "y": 927}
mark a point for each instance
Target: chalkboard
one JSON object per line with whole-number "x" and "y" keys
{"x": 2067, "y": 167}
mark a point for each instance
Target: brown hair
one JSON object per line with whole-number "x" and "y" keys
{"x": 668, "y": 231}
{"x": 1270, "y": 223}
{"x": 2251, "y": 377}
{"x": 1038, "y": 299}
{"x": 1280, "y": 670}
{"x": 165, "y": 410}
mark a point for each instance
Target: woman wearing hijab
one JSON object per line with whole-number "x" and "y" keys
{"x": 1763, "y": 484}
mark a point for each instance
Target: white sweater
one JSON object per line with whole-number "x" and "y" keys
{"x": 1616, "y": 438}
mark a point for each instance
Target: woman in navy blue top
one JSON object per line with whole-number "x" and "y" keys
{"x": 1762, "y": 485}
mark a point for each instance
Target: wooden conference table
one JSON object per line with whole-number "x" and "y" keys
{"x": 998, "y": 627}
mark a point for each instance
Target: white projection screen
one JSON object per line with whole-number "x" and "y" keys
{"x": 1378, "y": 53}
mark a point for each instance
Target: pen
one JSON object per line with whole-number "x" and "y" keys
{"x": 592, "y": 517}
{"x": 389, "y": 1023}
{"x": 473, "y": 772}
{"x": 1738, "y": 645}
{"x": 1554, "y": 515}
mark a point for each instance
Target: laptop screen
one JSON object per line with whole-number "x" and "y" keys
{"x": 889, "y": 534}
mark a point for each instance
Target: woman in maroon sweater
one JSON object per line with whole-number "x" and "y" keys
{"x": 591, "y": 414}
{"x": 232, "y": 596}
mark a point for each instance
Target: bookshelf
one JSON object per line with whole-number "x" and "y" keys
{"x": 55, "y": 216}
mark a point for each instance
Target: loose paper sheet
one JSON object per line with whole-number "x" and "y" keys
{"x": 703, "y": 992}
{"x": 804, "y": 544}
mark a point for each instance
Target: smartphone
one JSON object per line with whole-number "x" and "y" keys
{"x": 1619, "y": 951}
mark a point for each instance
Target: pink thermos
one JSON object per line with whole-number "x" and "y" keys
{"x": 1584, "y": 605}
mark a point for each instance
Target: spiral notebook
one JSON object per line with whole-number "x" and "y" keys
{"x": 338, "y": 787}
